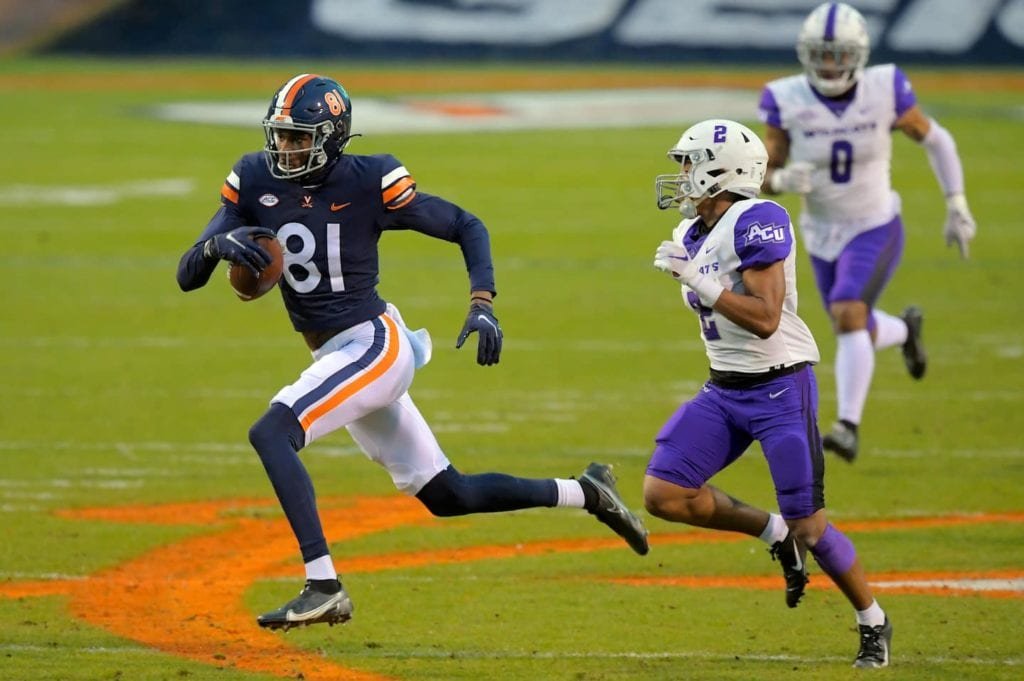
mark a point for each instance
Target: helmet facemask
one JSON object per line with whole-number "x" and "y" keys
{"x": 321, "y": 135}
{"x": 680, "y": 189}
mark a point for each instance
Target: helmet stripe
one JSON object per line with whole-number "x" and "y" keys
{"x": 830, "y": 22}
{"x": 286, "y": 97}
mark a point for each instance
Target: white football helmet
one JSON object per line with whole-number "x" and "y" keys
{"x": 833, "y": 47}
{"x": 714, "y": 156}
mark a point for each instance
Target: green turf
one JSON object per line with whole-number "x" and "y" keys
{"x": 119, "y": 389}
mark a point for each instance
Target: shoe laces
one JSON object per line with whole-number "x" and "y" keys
{"x": 870, "y": 642}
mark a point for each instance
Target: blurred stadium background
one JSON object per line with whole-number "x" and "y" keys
{"x": 934, "y": 32}
{"x": 136, "y": 524}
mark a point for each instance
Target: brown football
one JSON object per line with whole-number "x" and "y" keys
{"x": 248, "y": 286}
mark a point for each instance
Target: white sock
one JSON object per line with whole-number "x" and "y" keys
{"x": 889, "y": 330}
{"x": 570, "y": 493}
{"x": 775, "y": 530}
{"x": 872, "y": 616}
{"x": 855, "y": 363}
{"x": 321, "y": 568}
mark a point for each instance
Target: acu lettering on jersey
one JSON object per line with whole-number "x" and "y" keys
{"x": 766, "y": 233}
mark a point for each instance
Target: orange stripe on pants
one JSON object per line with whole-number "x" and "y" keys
{"x": 361, "y": 381}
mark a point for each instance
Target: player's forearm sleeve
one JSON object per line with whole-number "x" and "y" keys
{"x": 944, "y": 159}
{"x": 194, "y": 269}
{"x": 476, "y": 250}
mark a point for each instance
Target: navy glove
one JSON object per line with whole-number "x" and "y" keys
{"x": 482, "y": 320}
{"x": 239, "y": 246}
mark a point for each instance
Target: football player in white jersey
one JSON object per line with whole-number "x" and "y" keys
{"x": 735, "y": 256}
{"x": 828, "y": 134}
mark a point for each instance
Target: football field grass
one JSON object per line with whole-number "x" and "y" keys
{"x": 140, "y": 536}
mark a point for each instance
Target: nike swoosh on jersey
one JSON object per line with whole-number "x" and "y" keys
{"x": 335, "y": 207}
{"x": 772, "y": 396}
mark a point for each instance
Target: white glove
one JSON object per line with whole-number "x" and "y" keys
{"x": 796, "y": 177}
{"x": 673, "y": 259}
{"x": 960, "y": 227}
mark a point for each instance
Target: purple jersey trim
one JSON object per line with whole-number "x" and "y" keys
{"x": 830, "y": 22}
{"x": 905, "y": 97}
{"x": 769, "y": 109}
{"x": 762, "y": 235}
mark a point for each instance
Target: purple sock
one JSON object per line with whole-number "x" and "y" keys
{"x": 834, "y": 552}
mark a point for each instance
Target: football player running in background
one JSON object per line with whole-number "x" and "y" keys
{"x": 736, "y": 259}
{"x": 832, "y": 126}
{"x": 328, "y": 210}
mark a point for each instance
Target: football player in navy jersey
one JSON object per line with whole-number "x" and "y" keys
{"x": 735, "y": 256}
{"x": 328, "y": 210}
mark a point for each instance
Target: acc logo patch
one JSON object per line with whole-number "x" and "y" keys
{"x": 269, "y": 200}
{"x": 766, "y": 233}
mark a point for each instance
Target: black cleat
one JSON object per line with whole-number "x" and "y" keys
{"x": 914, "y": 355}
{"x": 320, "y": 601}
{"x": 874, "y": 646}
{"x": 842, "y": 440}
{"x": 791, "y": 554}
{"x": 611, "y": 510}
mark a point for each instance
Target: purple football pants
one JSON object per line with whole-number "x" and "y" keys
{"x": 864, "y": 267}
{"x": 713, "y": 429}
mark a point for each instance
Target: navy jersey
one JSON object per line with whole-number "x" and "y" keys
{"x": 330, "y": 233}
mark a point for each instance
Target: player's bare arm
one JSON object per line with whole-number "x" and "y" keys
{"x": 776, "y": 141}
{"x": 759, "y": 308}
{"x": 914, "y": 124}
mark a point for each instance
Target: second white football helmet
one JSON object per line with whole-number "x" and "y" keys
{"x": 833, "y": 47}
{"x": 716, "y": 155}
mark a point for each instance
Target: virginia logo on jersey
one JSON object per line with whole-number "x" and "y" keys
{"x": 766, "y": 233}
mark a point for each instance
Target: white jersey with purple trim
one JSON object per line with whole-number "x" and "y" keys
{"x": 751, "y": 233}
{"x": 851, "y": 149}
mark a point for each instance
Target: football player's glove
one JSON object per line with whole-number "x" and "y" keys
{"x": 482, "y": 320}
{"x": 960, "y": 227}
{"x": 673, "y": 259}
{"x": 796, "y": 178}
{"x": 239, "y": 246}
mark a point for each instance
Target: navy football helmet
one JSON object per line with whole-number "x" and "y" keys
{"x": 312, "y": 105}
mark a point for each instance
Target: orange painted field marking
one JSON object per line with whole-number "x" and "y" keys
{"x": 161, "y": 599}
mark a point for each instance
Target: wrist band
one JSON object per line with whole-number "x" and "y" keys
{"x": 708, "y": 290}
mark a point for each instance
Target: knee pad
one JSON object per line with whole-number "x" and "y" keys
{"x": 278, "y": 426}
